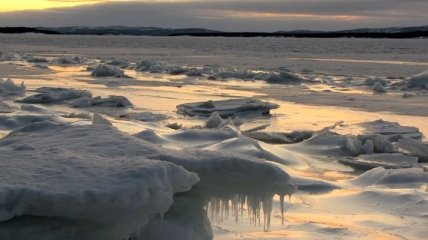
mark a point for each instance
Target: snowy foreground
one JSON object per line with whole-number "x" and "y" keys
{"x": 104, "y": 148}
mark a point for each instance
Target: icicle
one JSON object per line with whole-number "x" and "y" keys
{"x": 161, "y": 225}
{"x": 234, "y": 205}
{"x": 281, "y": 202}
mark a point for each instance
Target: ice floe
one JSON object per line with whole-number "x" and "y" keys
{"x": 228, "y": 108}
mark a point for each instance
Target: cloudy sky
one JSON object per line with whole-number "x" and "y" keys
{"x": 229, "y": 15}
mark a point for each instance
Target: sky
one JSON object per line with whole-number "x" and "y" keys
{"x": 228, "y": 15}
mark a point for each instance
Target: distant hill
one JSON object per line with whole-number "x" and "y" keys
{"x": 18, "y": 30}
{"x": 133, "y": 31}
{"x": 392, "y": 32}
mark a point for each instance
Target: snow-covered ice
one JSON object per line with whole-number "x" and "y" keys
{"x": 72, "y": 180}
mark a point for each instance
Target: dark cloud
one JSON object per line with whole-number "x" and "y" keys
{"x": 247, "y": 15}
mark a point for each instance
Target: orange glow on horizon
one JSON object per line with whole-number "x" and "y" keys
{"x": 11, "y": 6}
{"x": 274, "y": 15}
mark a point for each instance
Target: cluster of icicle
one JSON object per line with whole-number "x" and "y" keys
{"x": 220, "y": 209}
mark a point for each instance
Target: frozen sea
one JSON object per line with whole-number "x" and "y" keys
{"x": 213, "y": 138}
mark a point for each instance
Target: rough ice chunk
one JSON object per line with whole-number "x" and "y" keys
{"x": 9, "y": 56}
{"x": 174, "y": 126}
{"x": 145, "y": 116}
{"x": 228, "y": 108}
{"x": 225, "y": 73}
{"x": 119, "y": 63}
{"x": 100, "y": 120}
{"x": 150, "y": 66}
{"x": 55, "y": 95}
{"x": 5, "y": 108}
{"x": 103, "y": 70}
{"x": 354, "y": 146}
{"x": 376, "y": 144}
{"x": 77, "y": 115}
{"x": 373, "y": 80}
{"x": 282, "y": 77}
{"x": 69, "y": 60}
{"x": 378, "y": 88}
{"x": 110, "y": 101}
{"x": 9, "y": 88}
{"x": 35, "y": 109}
{"x": 418, "y": 81}
{"x": 17, "y": 120}
{"x": 215, "y": 121}
{"x": 37, "y": 60}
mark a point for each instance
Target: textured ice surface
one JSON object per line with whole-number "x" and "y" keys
{"x": 228, "y": 108}
{"x": 55, "y": 95}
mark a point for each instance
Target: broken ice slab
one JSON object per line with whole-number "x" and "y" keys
{"x": 414, "y": 147}
{"x": 391, "y": 130}
{"x": 228, "y": 108}
{"x": 110, "y": 101}
{"x": 386, "y": 160}
{"x": 382, "y": 176}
